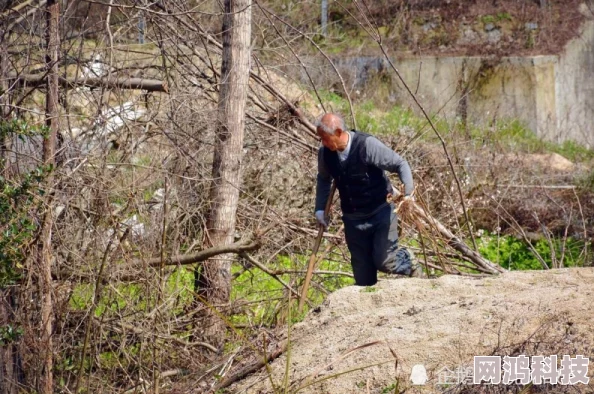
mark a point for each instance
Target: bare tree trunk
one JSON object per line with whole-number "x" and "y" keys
{"x": 324, "y": 17}
{"x": 49, "y": 153}
{"x": 8, "y": 367}
{"x": 3, "y": 90}
{"x": 226, "y": 172}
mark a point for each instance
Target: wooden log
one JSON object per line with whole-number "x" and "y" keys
{"x": 253, "y": 367}
{"x": 150, "y": 85}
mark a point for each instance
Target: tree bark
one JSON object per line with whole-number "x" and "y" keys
{"x": 3, "y": 91}
{"x": 49, "y": 152}
{"x": 8, "y": 365}
{"x": 8, "y": 352}
{"x": 215, "y": 278}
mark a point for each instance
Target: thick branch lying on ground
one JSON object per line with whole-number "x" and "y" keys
{"x": 457, "y": 243}
{"x": 16, "y": 8}
{"x": 22, "y": 15}
{"x": 441, "y": 231}
{"x": 121, "y": 327}
{"x": 185, "y": 259}
{"x": 251, "y": 368}
{"x": 151, "y": 85}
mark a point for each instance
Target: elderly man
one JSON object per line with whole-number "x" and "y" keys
{"x": 357, "y": 161}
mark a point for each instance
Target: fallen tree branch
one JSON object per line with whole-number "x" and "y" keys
{"x": 185, "y": 259}
{"x": 274, "y": 275}
{"x": 454, "y": 271}
{"x": 251, "y": 368}
{"x": 336, "y": 273}
{"x": 123, "y": 270}
{"x": 457, "y": 243}
{"x": 146, "y": 385}
{"x": 24, "y": 15}
{"x": 15, "y": 8}
{"x": 310, "y": 231}
{"x": 121, "y": 327}
{"x": 540, "y": 186}
{"x": 151, "y": 85}
{"x": 460, "y": 273}
{"x": 430, "y": 222}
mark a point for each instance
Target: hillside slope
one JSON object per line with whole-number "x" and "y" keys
{"x": 445, "y": 27}
{"x": 440, "y": 323}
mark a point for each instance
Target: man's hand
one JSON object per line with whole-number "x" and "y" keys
{"x": 406, "y": 203}
{"x": 321, "y": 219}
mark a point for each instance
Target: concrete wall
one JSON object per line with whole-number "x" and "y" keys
{"x": 551, "y": 95}
{"x": 574, "y": 89}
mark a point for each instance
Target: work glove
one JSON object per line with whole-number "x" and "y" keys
{"x": 320, "y": 217}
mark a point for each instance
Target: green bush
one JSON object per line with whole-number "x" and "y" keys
{"x": 265, "y": 298}
{"x": 18, "y": 225}
{"x": 515, "y": 254}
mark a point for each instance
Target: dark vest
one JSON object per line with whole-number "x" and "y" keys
{"x": 363, "y": 188}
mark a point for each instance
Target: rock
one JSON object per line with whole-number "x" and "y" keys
{"x": 136, "y": 227}
{"x": 494, "y": 36}
{"x": 468, "y": 36}
{"x": 418, "y": 375}
{"x": 429, "y": 26}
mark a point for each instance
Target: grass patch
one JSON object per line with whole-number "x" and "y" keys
{"x": 263, "y": 300}
{"x": 394, "y": 120}
{"x": 179, "y": 285}
{"x": 586, "y": 182}
{"x": 513, "y": 135}
{"x": 506, "y": 134}
{"x": 515, "y": 254}
{"x": 334, "y": 101}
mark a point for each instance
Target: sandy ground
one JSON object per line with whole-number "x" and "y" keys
{"x": 439, "y": 323}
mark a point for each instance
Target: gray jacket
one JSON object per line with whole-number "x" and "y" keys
{"x": 378, "y": 155}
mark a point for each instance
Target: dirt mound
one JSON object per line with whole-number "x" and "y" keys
{"x": 552, "y": 162}
{"x": 439, "y": 323}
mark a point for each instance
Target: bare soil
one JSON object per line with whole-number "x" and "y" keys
{"x": 439, "y": 323}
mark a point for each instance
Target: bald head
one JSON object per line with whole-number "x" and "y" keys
{"x": 330, "y": 122}
{"x": 332, "y": 133}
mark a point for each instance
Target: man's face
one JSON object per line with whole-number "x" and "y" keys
{"x": 332, "y": 142}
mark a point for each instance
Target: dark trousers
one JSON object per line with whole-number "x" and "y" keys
{"x": 373, "y": 243}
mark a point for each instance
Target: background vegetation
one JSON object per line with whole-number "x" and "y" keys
{"x": 129, "y": 193}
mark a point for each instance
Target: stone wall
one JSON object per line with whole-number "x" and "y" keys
{"x": 551, "y": 95}
{"x": 574, "y": 88}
